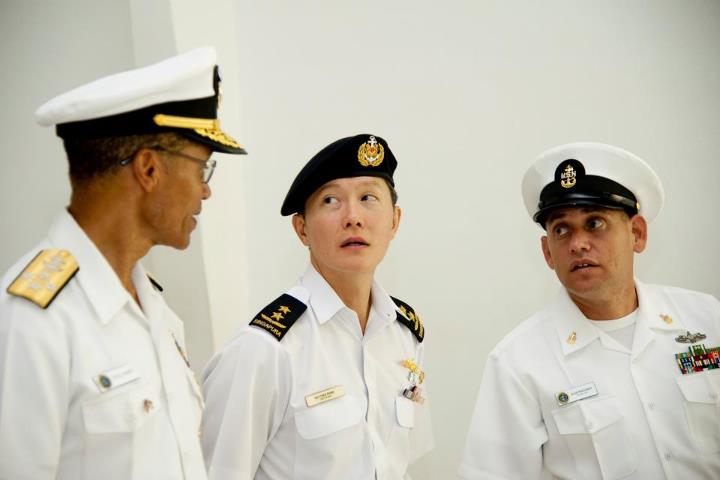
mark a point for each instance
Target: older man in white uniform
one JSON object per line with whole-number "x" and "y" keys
{"x": 614, "y": 378}
{"x": 94, "y": 381}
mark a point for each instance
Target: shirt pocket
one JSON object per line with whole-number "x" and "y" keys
{"x": 596, "y": 433}
{"x": 329, "y": 417}
{"x": 702, "y": 409}
{"x": 405, "y": 412}
{"x": 120, "y": 412}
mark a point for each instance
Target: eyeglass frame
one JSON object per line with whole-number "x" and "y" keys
{"x": 208, "y": 165}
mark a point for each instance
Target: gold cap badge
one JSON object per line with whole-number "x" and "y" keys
{"x": 371, "y": 153}
{"x": 568, "y": 177}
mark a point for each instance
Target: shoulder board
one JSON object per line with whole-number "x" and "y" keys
{"x": 154, "y": 282}
{"x": 410, "y": 319}
{"x": 44, "y": 277}
{"x": 279, "y": 316}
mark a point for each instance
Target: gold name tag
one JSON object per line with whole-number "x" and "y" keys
{"x": 325, "y": 395}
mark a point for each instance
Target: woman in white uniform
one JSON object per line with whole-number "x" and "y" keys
{"x": 327, "y": 381}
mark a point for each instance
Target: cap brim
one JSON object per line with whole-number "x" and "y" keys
{"x": 541, "y": 215}
{"x": 216, "y": 139}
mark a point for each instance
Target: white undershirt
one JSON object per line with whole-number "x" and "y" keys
{"x": 621, "y": 329}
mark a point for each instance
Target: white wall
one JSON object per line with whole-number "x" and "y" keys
{"x": 466, "y": 93}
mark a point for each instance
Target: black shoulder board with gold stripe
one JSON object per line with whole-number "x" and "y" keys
{"x": 280, "y": 315}
{"x": 410, "y": 319}
{"x": 44, "y": 277}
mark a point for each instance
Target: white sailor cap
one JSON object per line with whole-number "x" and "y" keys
{"x": 596, "y": 174}
{"x": 179, "y": 94}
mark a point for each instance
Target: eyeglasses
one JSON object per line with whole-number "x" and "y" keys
{"x": 208, "y": 165}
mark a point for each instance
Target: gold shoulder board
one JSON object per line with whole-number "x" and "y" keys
{"x": 45, "y": 276}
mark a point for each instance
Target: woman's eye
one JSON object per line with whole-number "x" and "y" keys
{"x": 369, "y": 197}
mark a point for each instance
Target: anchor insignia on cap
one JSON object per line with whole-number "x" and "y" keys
{"x": 567, "y": 178}
{"x": 371, "y": 153}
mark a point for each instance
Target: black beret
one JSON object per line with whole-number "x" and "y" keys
{"x": 362, "y": 155}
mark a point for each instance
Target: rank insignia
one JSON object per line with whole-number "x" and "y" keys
{"x": 44, "y": 277}
{"x": 371, "y": 153}
{"x": 698, "y": 358}
{"x": 416, "y": 377}
{"x": 410, "y": 319}
{"x": 279, "y": 316}
{"x": 690, "y": 337}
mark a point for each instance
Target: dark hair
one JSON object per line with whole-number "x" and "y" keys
{"x": 98, "y": 157}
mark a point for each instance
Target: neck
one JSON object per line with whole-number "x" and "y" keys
{"x": 110, "y": 225}
{"x": 618, "y": 304}
{"x": 353, "y": 289}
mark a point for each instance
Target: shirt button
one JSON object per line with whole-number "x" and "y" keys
{"x": 651, "y": 406}
{"x": 668, "y": 456}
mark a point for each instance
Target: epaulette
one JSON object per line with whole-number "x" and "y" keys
{"x": 280, "y": 315}
{"x": 154, "y": 282}
{"x": 410, "y": 319}
{"x": 45, "y": 276}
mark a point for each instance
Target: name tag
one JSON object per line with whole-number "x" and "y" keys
{"x": 324, "y": 395}
{"x": 116, "y": 377}
{"x": 576, "y": 394}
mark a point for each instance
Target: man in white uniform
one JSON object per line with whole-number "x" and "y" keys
{"x": 326, "y": 382}
{"x": 614, "y": 378}
{"x": 94, "y": 381}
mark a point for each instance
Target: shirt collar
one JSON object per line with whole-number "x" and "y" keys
{"x": 575, "y": 332}
{"x": 323, "y": 300}
{"x": 325, "y": 303}
{"x": 97, "y": 278}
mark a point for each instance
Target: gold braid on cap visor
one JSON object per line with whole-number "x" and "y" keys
{"x": 206, "y": 127}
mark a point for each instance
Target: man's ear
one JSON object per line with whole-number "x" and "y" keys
{"x": 147, "y": 168}
{"x": 298, "y": 223}
{"x": 638, "y": 224}
{"x": 546, "y": 252}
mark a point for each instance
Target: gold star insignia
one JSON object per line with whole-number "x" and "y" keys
{"x": 277, "y": 316}
{"x": 284, "y": 309}
{"x": 572, "y": 338}
{"x": 666, "y": 318}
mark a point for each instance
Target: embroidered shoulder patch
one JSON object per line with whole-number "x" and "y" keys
{"x": 410, "y": 319}
{"x": 44, "y": 277}
{"x": 279, "y": 316}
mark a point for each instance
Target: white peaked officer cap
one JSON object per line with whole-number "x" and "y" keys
{"x": 591, "y": 174}
{"x": 180, "y": 94}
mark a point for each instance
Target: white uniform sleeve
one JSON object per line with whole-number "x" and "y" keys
{"x": 507, "y": 429}
{"x": 247, "y": 390}
{"x": 34, "y": 379}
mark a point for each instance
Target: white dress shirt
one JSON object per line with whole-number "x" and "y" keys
{"x": 257, "y": 423}
{"x": 647, "y": 421}
{"x": 56, "y": 422}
